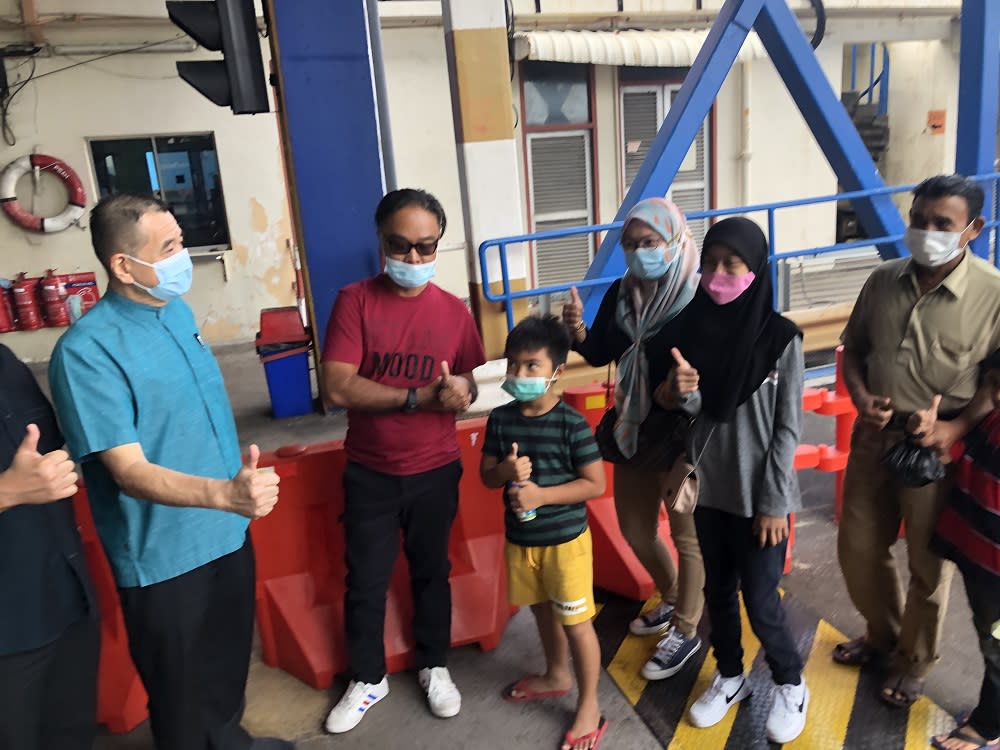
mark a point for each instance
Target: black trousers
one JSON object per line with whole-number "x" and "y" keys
{"x": 376, "y": 507}
{"x": 984, "y": 600}
{"x": 190, "y": 639}
{"x": 735, "y": 562}
{"x": 48, "y": 696}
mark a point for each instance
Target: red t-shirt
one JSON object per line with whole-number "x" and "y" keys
{"x": 401, "y": 342}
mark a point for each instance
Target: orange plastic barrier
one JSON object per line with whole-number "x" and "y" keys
{"x": 121, "y": 698}
{"x": 301, "y": 571}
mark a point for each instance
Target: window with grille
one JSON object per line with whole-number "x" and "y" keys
{"x": 643, "y": 111}
{"x": 559, "y": 150}
{"x": 561, "y": 197}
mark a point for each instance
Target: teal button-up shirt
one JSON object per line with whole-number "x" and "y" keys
{"x": 132, "y": 373}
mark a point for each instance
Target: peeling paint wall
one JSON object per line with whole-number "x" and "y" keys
{"x": 141, "y": 95}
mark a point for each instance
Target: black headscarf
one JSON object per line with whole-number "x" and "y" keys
{"x": 734, "y": 347}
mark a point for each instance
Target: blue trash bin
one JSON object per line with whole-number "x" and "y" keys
{"x": 288, "y": 382}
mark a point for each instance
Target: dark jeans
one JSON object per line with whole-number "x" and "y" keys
{"x": 48, "y": 696}
{"x": 984, "y": 600}
{"x": 376, "y": 507}
{"x": 735, "y": 562}
{"x": 190, "y": 639}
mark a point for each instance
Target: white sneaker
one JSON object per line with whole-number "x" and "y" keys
{"x": 442, "y": 695}
{"x": 359, "y": 697}
{"x": 712, "y": 706}
{"x": 788, "y": 714}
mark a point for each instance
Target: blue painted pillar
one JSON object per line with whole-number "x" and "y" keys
{"x": 330, "y": 128}
{"x": 978, "y": 95}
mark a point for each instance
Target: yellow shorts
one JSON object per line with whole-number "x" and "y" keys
{"x": 562, "y": 574}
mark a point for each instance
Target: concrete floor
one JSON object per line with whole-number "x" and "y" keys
{"x": 279, "y": 704}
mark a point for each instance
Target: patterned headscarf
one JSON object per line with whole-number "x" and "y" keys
{"x": 641, "y": 316}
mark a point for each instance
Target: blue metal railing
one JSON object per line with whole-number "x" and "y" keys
{"x": 501, "y": 244}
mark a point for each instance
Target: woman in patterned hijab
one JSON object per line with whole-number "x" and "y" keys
{"x": 630, "y": 329}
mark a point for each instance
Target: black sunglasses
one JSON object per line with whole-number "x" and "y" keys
{"x": 396, "y": 245}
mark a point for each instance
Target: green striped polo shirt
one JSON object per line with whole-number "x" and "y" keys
{"x": 558, "y": 443}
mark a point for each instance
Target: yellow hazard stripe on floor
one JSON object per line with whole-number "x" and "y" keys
{"x": 831, "y": 686}
{"x": 833, "y": 693}
{"x": 926, "y": 720}
{"x": 689, "y": 737}
{"x": 633, "y": 652}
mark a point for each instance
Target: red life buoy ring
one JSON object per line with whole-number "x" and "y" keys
{"x": 74, "y": 188}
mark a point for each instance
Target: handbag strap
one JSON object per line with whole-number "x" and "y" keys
{"x": 697, "y": 460}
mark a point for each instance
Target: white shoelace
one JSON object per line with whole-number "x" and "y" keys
{"x": 666, "y": 648}
{"x": 791, "y": 698}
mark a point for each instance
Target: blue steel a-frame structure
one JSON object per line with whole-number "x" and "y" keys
{"x": 795, "y": 61}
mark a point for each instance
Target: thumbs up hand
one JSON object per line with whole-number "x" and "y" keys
{"x": 516, "y": 468}
{"x": 253, "y": 492}
{"x": 454, "y": 393}
{"x": 922, "y": 422}
{"x": 33, "y": 478}
{"x": 685, "y": 376}
{"x": 572, "y": 315}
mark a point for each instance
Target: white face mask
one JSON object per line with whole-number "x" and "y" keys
{"x": 933, "y": 249}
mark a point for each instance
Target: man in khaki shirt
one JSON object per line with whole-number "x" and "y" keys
{"x": 917, "y": 334}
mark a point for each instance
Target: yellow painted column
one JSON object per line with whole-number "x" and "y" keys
{"x": 478, "y": 67}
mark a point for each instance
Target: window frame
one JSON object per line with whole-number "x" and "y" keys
{"x": 196, "y": 251}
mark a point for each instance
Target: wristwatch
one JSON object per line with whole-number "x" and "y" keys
{"x": 410, "y": 405}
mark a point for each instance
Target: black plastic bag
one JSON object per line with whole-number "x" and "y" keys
{"x": 913, "y": 465}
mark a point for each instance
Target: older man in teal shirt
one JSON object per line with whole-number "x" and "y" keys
{"x": 145, "y": 412}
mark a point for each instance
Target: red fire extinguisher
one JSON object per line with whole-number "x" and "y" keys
{"x": 54, "y": 299}
{"x": 6, "y": 311}
{"x": 29, "y": 312}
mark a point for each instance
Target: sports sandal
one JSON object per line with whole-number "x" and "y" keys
{"x": 519, "y": 692}
{"x": 596, "y": 736}
{"x": 901, "y": 690}
{"x": 961, "y": 733}
{"x": 855, "y": 653}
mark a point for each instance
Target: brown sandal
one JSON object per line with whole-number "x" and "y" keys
{"x": 901, "y": 690}
{"x": 855, "y": 653}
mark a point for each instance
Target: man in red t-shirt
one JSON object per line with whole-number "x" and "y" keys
{"x": 399, "y": 356}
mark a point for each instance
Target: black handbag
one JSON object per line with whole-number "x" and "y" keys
{"x": 913, "y": 465}
{"x": 662, "y": 439}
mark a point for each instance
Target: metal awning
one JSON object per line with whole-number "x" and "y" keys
{"x": 657, "y": 48}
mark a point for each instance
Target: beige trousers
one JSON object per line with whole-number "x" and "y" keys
{"x": 874, "y": 504}
{"x": 638, "y": 502}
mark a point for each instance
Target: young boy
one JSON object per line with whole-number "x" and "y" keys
{"x": 968, "y": 532}
{"x": 543, "y": 452}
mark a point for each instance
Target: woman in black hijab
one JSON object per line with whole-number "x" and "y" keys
{"x": 749, "y": 361}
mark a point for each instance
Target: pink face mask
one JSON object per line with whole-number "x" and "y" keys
{"x": 723, "y": 288}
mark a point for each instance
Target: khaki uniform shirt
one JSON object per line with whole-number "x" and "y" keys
{"x": 913, "y": 347}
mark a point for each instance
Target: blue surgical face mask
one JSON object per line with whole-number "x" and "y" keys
{"x": 527, "y": 389}
{"x": 649, "y": 263}
{"x": 410, "y": 275}
{"x": 174, "y": 274}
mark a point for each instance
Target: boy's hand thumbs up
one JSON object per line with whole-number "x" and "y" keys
{"x": 517, "y": 468}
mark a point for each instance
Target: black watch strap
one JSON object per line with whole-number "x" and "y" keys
{"x": 410, "y": 405}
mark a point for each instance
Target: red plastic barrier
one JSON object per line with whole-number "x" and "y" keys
{"x": 616, "y": 568}
{"x": 121, "y": 698}
{"x": 301, "y": 572}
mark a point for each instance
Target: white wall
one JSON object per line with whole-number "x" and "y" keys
{"x": 139, "y": 95}
{"x": 423, "y": 134}
{"x": 923, "y": 77}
